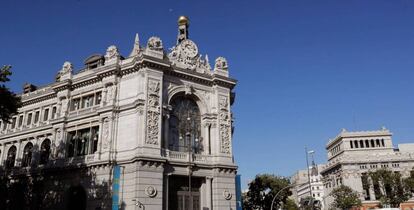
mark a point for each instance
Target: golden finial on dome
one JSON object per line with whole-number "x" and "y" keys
{"x": 183, "y": 20}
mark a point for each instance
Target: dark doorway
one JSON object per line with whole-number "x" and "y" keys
{"x": 76, "y": 198}
{"x": 179, "y": 197}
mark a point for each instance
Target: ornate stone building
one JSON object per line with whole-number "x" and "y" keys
{"x": 352, "y": 155}
{"x": 163, "y": 116}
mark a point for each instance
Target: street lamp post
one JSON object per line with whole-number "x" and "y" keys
{"x": 189, "y": 148}
{"x": 274, "y": 197}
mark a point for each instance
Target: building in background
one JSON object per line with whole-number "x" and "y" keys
{"x": 156, "y": 125}
{"x": 351, "y": 155}
{"x": 302, "y": 190}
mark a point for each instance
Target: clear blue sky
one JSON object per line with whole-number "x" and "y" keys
{"x": 306, "y": 69}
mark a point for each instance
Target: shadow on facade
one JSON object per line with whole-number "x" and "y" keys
{"x": 56, "y": 184}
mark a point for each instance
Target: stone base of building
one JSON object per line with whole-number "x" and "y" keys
{"x": 148, "y": 184}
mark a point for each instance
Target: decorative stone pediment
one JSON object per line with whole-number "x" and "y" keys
{"x": 185, "y": 55}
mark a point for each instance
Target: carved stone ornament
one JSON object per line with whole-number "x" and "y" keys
{"x": 64, "y": 106}
{"x": 154, "y": 87}
{"x": 227, "y": 195}
{"x": 151, "y": 191}
{"x": 153, "y": 112}
{"x": 186, "y": 55}
{"x": 66, "y": 68}
{"x": 223, "y": 103}
{"x": 225, "y": 126}
{"x": 65, "y": 72}
{"x": 105, "y": 133}
{"x": 188, "y": 89}
{"x": 155, "y": 43}
{"x": 111, "y": 53}
{"x": 110, "y": 93}
{"x": 59, "y": 134}
{"x": 221, "y": 64}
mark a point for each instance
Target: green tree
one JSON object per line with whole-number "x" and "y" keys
{"x": 9, "y": 102}
{"x": 390, "y": 187}
{"x": 345, "y": 198}
{"x": 290, "y": 205}
{"x": 262, "y": 190}
{"x": 409, "y": 182}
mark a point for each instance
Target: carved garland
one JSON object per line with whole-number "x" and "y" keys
{"x": 225, "y": 124}
{"x": 153, "y": 113}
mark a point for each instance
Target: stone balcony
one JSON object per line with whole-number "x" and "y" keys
{"x": 185, "y": 157}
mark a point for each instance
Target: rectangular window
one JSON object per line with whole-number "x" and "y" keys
{"x": 14, "y": 122}
{"x": 75, "y": 104}
{"x": 54, "y": 112}
{"x": 20, "y": 120}
{"x": 83, "y": 142}
{"x": 36, "y": 119}
{"x": 87, "y": 101}
{"x": 45, "y": 114}
{"x": 29, "y": 119}
{"x": 352, "y": 145}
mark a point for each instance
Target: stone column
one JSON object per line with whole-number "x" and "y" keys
{"x": 16, "y": 162}
{"x": 166, "y": 130}
{"x": 100, "y": 136}
{"x": 3, "y": 150}
{"x": 207, "y": 137}
{"x": 208, "y": 192}
{"x": 371, "y": 190}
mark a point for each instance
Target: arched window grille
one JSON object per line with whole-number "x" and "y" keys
{"x": 27, "y": 155}
{"x": 11, "y": 157}
{"x": 185, "y": 126}
{"x": 45, "y": 151}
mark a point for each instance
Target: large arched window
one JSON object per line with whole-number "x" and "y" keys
{"x": 27, "y": 155}
{"x": 45, "y": 151}
{"x": 11, "y": 157}
{"x": 185, "y": 126}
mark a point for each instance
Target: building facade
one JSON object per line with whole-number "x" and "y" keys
{"x": 162, "y": 118}
{"x": 302, "y": 190}
{"x": 352, "y": 155}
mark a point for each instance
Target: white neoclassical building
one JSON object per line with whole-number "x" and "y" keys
{"x": 352, "y": 155}
{"x": 151, "y": 130}
{"x": 305, "y": 187}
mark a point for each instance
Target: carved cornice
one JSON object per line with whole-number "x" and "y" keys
{"x": 39, "y": 99}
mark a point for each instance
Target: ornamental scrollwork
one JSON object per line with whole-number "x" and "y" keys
{"x": 153, "y": 112}
{"x": 105, "y": 132}
{"x": 224, "y": 125}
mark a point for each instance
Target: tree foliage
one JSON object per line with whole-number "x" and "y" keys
{"x": 262, "y": 190}
{"x": 345, "y": 198}
{"x": 290, "y": 205}
{"x": 390, "y": 187}
{"x": 9, "y": 101}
